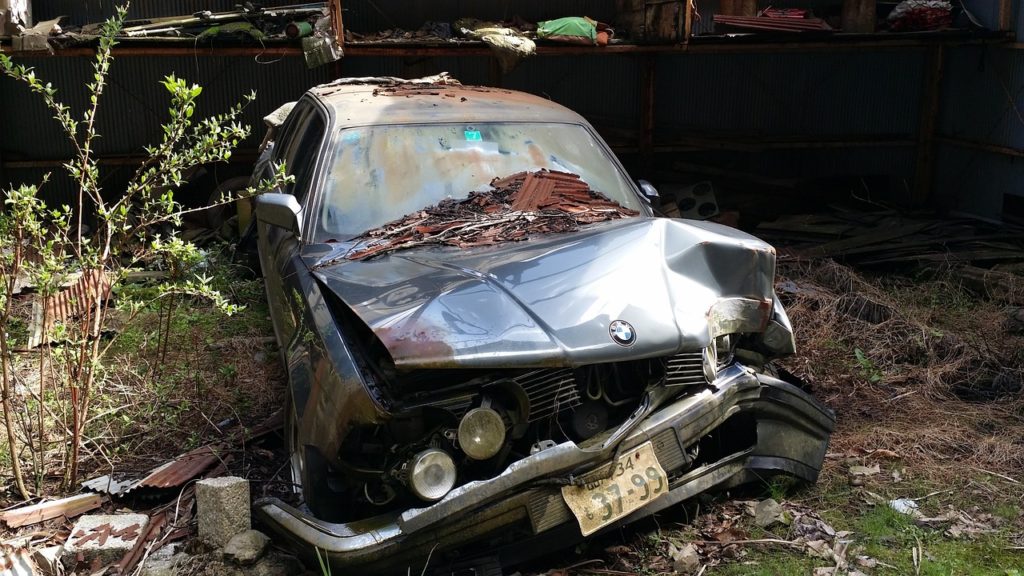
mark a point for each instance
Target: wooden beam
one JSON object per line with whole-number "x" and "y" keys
{"x": 338, "y": 22}
{"x": 1005, "y": 14}
{"x": 930, "y": 102}
{"x": 982, "y": 146}
{"x": 66, "y": 507}
{"x": 737, "y": 7}
{"x": 858, "y": 16}
{"x": 839, "y": 43}
{"x": 688, "y": 20}
{"x": 337, "y": 68}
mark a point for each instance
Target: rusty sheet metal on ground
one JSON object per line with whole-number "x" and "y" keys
{"x": 108, "y": 485}
{"x": 72, "y": 302}
{"x": 522, "y": 204}
{"x": 189, "y": 465}
{"x": 182, "y": 469}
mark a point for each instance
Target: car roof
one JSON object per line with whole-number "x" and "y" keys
{"x": 438, "y": 99}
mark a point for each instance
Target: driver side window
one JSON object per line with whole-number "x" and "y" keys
{"x": 299, "y": 149}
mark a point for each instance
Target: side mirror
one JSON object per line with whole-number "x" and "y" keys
{"x": 649, "y": 192}
{"x": 281, "y": 210}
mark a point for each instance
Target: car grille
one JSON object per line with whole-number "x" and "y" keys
{"x": 549, "y": 391}
{"x": 685, "y": 369}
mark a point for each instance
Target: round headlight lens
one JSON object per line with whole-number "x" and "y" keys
{"x": 481, "y": 433}
{"x": 431, "y": 474}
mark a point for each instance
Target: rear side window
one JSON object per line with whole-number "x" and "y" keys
{"x": 298, "y": 148}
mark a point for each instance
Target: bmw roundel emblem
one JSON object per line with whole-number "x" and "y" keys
{"x": 622, "y": 333}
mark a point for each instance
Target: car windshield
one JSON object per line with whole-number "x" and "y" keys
{"x": 382, "y": 173}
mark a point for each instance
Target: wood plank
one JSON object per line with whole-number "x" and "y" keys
{"x": 984, "y": 146}
{"x": 930, "y": 102}
{"x": 954, "y": 256}
{"x": 1005, "y": 14}
{"x": 858, "y": 16}
{"x": 66, "y": 507}
{"x": 875, "y": 236}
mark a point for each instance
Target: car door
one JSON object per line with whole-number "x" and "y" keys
{"x": 299, "y": 148}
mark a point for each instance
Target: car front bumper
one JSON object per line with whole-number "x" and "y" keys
{"x": 792, "y": 432}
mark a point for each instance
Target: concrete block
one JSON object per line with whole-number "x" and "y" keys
{"x": 223, "y": 509}
{"x": 103, "y": 539}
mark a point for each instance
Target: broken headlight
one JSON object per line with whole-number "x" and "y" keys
{"x": 725, "y": 347}
{"x": 719, "y": 355}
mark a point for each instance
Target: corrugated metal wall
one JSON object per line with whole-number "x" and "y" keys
{"x": 852, "y": 94}
{"x": 808, "y": 94}
{"x": 982, "y": 105}
{"x": 135, "y": 104}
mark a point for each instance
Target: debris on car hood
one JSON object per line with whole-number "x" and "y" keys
{"x": 525, "y": 203}
{"x": 467, "y": 308}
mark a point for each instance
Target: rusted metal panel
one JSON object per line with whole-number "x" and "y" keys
{"x": 75, "y": 302}
{"x": 182, "y": 469}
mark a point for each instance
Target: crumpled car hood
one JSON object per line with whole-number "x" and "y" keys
{"x": 550, "y": 301}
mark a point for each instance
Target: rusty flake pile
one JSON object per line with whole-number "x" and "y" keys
{"x": 522, "y": 204}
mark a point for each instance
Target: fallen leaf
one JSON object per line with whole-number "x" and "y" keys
{"x": 866, "y": 562}
{"x": 685, "y": 560}
{"x": 865, "y": 470}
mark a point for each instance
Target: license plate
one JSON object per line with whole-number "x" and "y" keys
{"x": 637, "y": 479}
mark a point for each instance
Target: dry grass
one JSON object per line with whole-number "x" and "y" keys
{"x": 919, "y": 367}
{"x": 219, "y": 373}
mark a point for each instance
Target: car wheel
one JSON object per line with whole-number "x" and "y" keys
{"x": 309, "y": 471}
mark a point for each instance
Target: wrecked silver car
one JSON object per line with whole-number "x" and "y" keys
{"x": 494, "y": 347}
